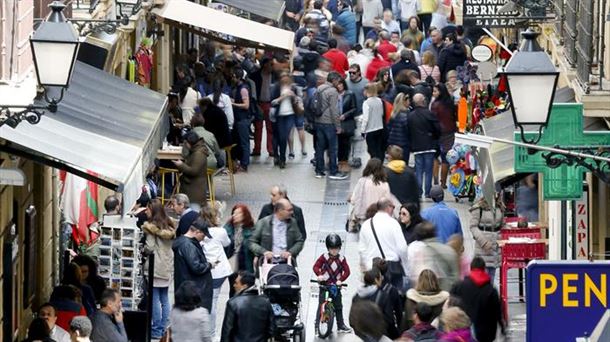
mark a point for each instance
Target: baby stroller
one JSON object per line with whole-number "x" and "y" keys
{"x": 280, "y": 283}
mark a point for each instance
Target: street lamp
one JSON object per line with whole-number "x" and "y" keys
{"x": 54, "y": 50}
{"x": 532, "y": 80}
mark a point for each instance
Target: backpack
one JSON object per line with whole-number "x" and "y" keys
{"x": 429, "y": 79}
{"x": 315, "y": 106}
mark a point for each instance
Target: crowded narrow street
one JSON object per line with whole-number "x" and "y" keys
{"x": 304, "y": 170}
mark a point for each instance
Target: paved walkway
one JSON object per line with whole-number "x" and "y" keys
{"x": 324, "y": 204}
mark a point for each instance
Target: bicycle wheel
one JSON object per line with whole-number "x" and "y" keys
{"x": 327, "y": 319}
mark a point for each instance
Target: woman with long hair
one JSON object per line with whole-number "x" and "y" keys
{"x": 398, "y": 132}
{"x": 428, "y": 68}
{"x": 348, "y": 109}
{"x": 385, "y": 85}
{"x": 239, "y": 228}
{"x": 160, "y": 232}
{"x": 88, "y": 268}
{"x": 39, "y": 331}
{"x": 73, "y": 276}
{"x": 214, "y": 250}
{"x": 409, "y": 217}
{"x": 222, "y": 100}
{"x": 446, "y": 112}
{"x": 371, "y": 187}
{"x": 427, "y": 290}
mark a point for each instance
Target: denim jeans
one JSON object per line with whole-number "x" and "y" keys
{"x": 423, "y": 165}
{"x": 284, "y": 125}
{"x": 326, "y": 139}
{"x": 243, "y": 132}
{"x": 216, "y": 285}
{"x": 160, "y": 311}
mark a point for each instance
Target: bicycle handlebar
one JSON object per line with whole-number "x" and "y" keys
{"x": 323, "y": 283}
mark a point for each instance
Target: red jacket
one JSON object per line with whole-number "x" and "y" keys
{"x": 338, "y": 59}
{"x": 385, "y": 48}
{"x": 374, "y": 66}
{"x": 334, "y": 268}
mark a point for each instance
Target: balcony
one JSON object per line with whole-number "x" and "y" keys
{"x": 579, "y": 42}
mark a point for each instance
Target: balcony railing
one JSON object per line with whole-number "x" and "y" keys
{"x": 570, "y": 33}
{"x": 584, "y": 46}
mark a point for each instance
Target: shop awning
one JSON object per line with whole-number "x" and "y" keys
{"x": 106, "y": 130}
{"x": 270, "y": 9}
{"x": 224, "y": 27}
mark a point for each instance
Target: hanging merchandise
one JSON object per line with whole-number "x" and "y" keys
{"x": 464, "y": 181}
{"x": 144, "y": 58}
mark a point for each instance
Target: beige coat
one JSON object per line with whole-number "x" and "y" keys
{"x": 159, "y": 242}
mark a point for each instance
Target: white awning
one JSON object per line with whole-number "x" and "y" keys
{"x": 106, "y": 130}
{"x": 224, "y": 27}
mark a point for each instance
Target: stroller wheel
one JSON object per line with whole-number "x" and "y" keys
{"x": 299, "y": 336}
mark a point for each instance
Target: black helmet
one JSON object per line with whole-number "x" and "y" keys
{"x": 333, "y": 241}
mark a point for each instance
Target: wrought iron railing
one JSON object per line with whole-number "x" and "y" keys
{"x": 570, "y": 30}
{"x": 584, "y": 43}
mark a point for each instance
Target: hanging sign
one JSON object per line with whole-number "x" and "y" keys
{"x": 581, "y": 226}
{"x": 481, "y": 53}
{"x": 487, "y": 13}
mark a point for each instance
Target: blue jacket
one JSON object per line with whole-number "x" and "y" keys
{"x": 399, "y": 131}
{"x": 347, "y": 20}
{"x": 446, "y": 220}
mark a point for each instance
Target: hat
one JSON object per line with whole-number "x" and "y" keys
{"x": 437, "y": 193}
{"x": 304, "y": 42}
{"x": 202, "y": 226}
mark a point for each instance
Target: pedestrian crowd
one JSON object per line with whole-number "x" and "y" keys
{"x": 397, "y": 91}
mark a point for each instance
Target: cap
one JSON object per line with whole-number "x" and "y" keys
{"x": 202, "y": 226}
{"x": 437, "y": 193}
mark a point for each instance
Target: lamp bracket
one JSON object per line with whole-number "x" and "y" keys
{"x": 87, "y": 26}
{"x": 535, "y": 140}
{"x": 30, "y": 113}
{"x": 599, "y": 168}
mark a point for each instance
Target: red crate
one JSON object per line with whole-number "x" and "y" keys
{"x": 532, "y": 233}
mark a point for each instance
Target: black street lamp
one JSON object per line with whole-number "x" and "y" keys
{"x": 54, "y": 50}
{"x": 532, "y": 80}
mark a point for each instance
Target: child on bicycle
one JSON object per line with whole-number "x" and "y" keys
{"x": 332, "y": 269}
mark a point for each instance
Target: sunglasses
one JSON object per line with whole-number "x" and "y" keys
{"x": 354, "y": 72}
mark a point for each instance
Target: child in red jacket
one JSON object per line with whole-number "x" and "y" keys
{"x": 332, "y": 269}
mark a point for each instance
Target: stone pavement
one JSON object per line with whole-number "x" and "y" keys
{"x": 324, "y": 204}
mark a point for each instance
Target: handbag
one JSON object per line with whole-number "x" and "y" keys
{"x": 394, "y": 267}
{"x": 297, "y": 106}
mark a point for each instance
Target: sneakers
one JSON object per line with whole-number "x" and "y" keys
{"x": 320, "y": 175}
{"x": 344, "y": 329}
{"x": 338, "y": 176}
{"x": 290, "y": 155}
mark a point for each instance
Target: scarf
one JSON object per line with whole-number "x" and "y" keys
{"x": 397, "y": 166}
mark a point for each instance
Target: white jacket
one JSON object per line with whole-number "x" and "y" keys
{"x": 391, "y": 239}
{"x": 214, "y": 251}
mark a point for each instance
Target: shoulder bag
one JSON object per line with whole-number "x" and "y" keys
{"x": 394, "y": 267}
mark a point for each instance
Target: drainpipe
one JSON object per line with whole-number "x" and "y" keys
{"x": 602, "y": 50}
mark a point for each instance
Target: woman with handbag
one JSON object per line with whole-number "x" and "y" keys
{"x": 485, "y": 225}
{"x": 285, "y": 105}
{"x": 239, "y": 228}
{"x": 369, "y": 189}
{"x": 160, "y": 232}
{"x": 347, "y": 106}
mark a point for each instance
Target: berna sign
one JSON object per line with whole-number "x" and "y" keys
{"x": 481, "y": 53}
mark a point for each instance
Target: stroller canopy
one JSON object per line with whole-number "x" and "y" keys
{"x": 283, "y": 274}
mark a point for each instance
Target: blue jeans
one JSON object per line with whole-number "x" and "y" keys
{"x": 160, "y": 311}
{"x": 326, "y": 139}
{"x": 284, "y": 126}
{"x": 243, "y": 132}
{"x": 423, "y": 165}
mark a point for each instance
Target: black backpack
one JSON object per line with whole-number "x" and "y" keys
{"x": 315, "y": 105}
{"x": 429, "y": 79}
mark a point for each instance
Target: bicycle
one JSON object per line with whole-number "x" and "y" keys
{"x": 326, "y": 310}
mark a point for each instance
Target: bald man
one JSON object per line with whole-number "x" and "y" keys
{"x": 424, "y": 132}
{"x": 277, "y": 235}
{"x": 276, "y": 193}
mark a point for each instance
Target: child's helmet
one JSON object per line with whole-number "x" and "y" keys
{"x": 333, "y": 241}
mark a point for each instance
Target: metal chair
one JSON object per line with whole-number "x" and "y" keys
{"x": 174, "y": 172}
{"x": 230, "y": 167}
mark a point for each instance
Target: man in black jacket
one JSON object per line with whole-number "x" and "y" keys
{"x": 182, "y": 206}
{"x": 480, "y": 301}
{"x": 407, "y": 62}
{"x": 401, "y": 179}
{"x": 190, "y": 262}
{"x": 424, "y": 131}
{"x": 278, "y": 192}
{"x": 248, "y": 316}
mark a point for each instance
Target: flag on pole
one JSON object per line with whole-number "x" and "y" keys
{"x": 79, "y": 205}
